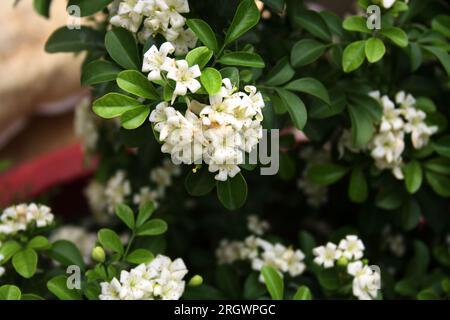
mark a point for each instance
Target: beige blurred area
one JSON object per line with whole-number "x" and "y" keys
{"x": 37, "y": 90}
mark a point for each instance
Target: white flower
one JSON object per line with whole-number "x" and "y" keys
{"x": 182, "y": 39}
{"x": 127, "y": 17}
{"x": 2, "y": 271}
{"x": 185, "y": 78}
{"x": 95, "y": 195}
{"x": 155, "y": 60}
{"x": 134, "y": 286}
{"x": 326, "y": 255}
{"x": 41, "y": 215}
{"x": 352, "y": 247}
{"x": 387, "y": 4}
{"x": 111, "y": 290}
{"x": 391, "y": 119}
{"x": 146, "y": 195}
{"x": 257, "y": 226}
{"x": 388, "y": 146}
{"x": 117, "y": 189}
{"x": 366, "y": 282}
{"x": 175, "y": 7}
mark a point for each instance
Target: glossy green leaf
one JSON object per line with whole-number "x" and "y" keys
{"x": 124, "y": 213}
{"x": 99, "y": 71}
{"x": 136, "y": 83}
{"x": 232, "y": 193}
{"x": 374, "y": 49}
{"x": 76, "y": 40}
{"x": 25, "y": 262}
{"x": 139, "y": 256}
{"x": 211, "y": 80}
{"x": 413, "y": 176}
{"x": 200, "y": 183}
{"x": 204, "y": 33}
{"x": 114, "y": 105}
{"x": 354, "y": 55}
{"x": 243, "y": 59}
{"x": 306, "y": 51}
{"x": 10, "y": 292}
{"x": 280, "y": 74}
{"x": 313, "y": 23}
{"x": 303, "y": 293}
{"x": 145, "y": 212}
{"x": 153, "y": 227}
{"x": 199, "y": 56}
{"x": 122, "y": 47}
{"x": 66, "y": 253}
{"x": 274, "y": 282}
{"x": 58, "y": 286}
{"x": 135, "y": 118}
{"x": 358, "y": 189}
{"x": 89, "y": 7}
{"x": 110, "y": 240}
{"x": 310, "y": 86}
{"x": 326, "y": 174}
{"x": 295, "y": 107}
{"x": 356, "y": 23}
{"x": 396, "y": 35}
{"x": 362, "y": 125}
{"x": 246, "y": 17}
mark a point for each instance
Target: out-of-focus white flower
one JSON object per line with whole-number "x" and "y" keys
{"x": 2, "y": 269}
{"x": 161, "y": 279}
{"x": 156, "y": 60}
{"x": 387, "y": 4}
{"x": 95, "y": 195}
{"x": 85, "y": 126}
{"x": 327, "y": 255}
{"x": 229, "y": 251}
{"x": 84, "y": 240}
{"x": 366, "y": 282}
{"x": 352, "y": 247}
{"x": 146, "y": 195}
{"x": 117, "y": 189}
{"x": 184, "y": 76}
{"x": 17, "y": 218}
{"x": 257, "y": 226}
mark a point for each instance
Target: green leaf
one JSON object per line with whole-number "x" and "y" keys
{"x": 442, "y": 146}
{"x": 133, "y": 119}
{"x": 328, "y": 279}
{"x": 246, "y": 17}
{"x": 66, "y": 40}
{"x": 200, "y": 183}
{"x": 253, "y": 289}
{"x": 362, "y": 125}
{"x": 295, "y": 107}
{"x": 389, "y": 198}
{"x": 243, "y": 59}
{"x": 425, "y": 104}
{"x": 99, "y": 71}
{"x": 326, "y": 174}
{"x": 419, "y": 263}
{"x": 66, "y": 253}
{"x": 232, "y": 193}
{"x": 139, "y": 256}
{"x": 42, "y": 7}
{"x": 287, "y": 167}
{"x": 313, "y": 23}
{"x": 354, "y": 55}
{"x": 307, "y": 243}
{"x": 39, "y": 243}
{"x": 8, "y": 250}
{"x": 358, "y": 189}
{"x": 310, "y": 86}
{"x": 396, "y": 35}
{"x": 277, "y": 5}
{"x": 438, "y": 165}
{"x": 10, "y": 292}
{"x": 374, "y": 49}
{"x": 303, "y": 293}
{"x": 110, "y": 240}
{"x": 136, "y": 83}
{"x": 122, "y": 48}
{"x": 356, "y": 23}
{"x": 441, "y": 24}
{"x": 410, "y": 214}
{"x": 211, "y": 79}
{"x": 231, "y": 73}
{"x": 199, "y": 56}
{"x": 274, "y": 282}
{"x": 427, "y": 294}
{"x": 114, "y": 105}
{"x": 441, "y": 55}
{"x": 440, "y": 184}
{"x": 89, "y": 7}
{"x": 204, "y": 33}
{"x": 145, "y": 212}
{"x": 30, "y": 297}
{"x": 306, "y": 51}
{"x": 415, "y": 56}
{"x": 280, "y": 74}
{"x": 413, "y": 176}
{"x": 58, "y": 286}
{"x": 153, "y": 227}
{"x": 25, "y": 262}
{"x": 124, "y": 213}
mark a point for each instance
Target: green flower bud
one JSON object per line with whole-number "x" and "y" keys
{"x": 98, "y": 254}
{"x": 342, "y": 262}
{"x": 196, "y": 281}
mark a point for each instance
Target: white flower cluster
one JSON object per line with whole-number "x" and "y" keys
{"x": 388, "y": 144}
{"x": 257, "y": 226}
{"x": 366, "y": 282}
{"x": 260, "y": 253}
{"x": 18, "y": 218}
{"x": 85, "y": 126}
{"x": 161, "y": 279}
{"x": 316, "y": 195}
{"x": 158, "y": 17}
{"x": 84, "y": 240}
{"x": 219, "y": 133}
{"x": 162, "y": 179}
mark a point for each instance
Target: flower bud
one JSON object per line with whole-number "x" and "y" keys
{"x": 196, "y": 281}
{"x": 98, "y": 254}
{"x": 342, "y": 262}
